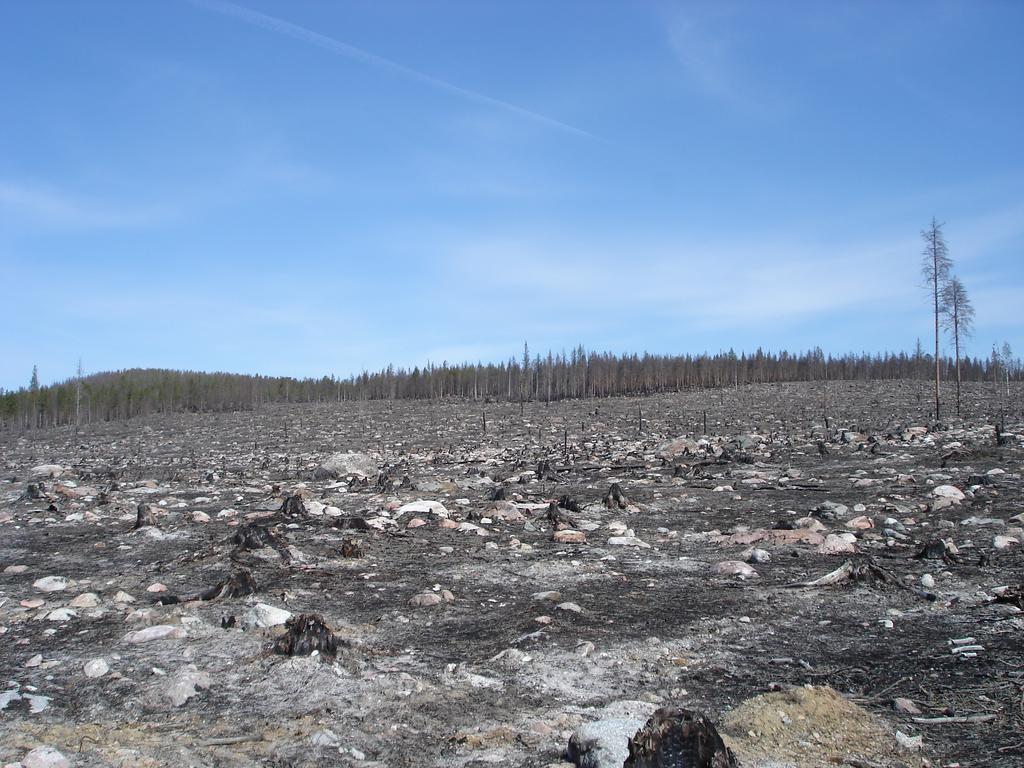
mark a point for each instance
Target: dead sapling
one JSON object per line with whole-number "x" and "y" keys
{"x": 615, "y": 498}
{"x": 307, "y": 634}
{"x": 678, "y": 738}
{"x": 144, "y": 515}
{"x": 498, "y": 493}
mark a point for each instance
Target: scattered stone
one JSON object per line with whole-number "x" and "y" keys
{"x": 45, "y": 757}
{"x": 156, "y": 632}
{"x": 51, "y": 584}
{"x": 265, "y": 616}
{"x": 96, "y": 668}
{"x": 733, "y": 568}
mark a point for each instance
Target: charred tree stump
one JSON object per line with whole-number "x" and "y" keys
{"x": 558, "y": 518}
{"x": 292, "y": 506}
{"x": 678, "y": 738}
{"x": 569, "y": 503}
{"x": 352, "y": 548}
{"x": 615, "y": 498}
{"x": 144, "y": 516}
{"x": 238, "y": 584}
{"x": 307, "y": 634}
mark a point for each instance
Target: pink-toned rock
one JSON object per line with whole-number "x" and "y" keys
{"x": 425, "y": 600}
{"x": 569, "y": 536}
{"x": 733, "y": 568}
{"x": 416, "y": 522}
{"x": 449, "y": 524}
{"x": 861, "y": 523}
{"x": 838, "y": 544}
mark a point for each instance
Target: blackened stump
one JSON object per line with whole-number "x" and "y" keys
{"x": 678, "y": 738}
{"x": 306, "y": 634}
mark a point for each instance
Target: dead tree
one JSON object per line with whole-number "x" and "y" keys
{"x": 958, "y": 320}
{"x": 615, "y": 498}
{"x": 307, "y": 634}
{"x": 678, "y": 737}
{"x": 935, "y": 267}
{"x": 144, "y": 516}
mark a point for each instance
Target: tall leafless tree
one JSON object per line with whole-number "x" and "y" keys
{"x": 935, "y": 267}
{"x": 958, "y": 320}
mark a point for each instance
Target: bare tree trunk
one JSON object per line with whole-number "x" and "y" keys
{"x": 935, "y": 294}
{"x": 956, "y": 343}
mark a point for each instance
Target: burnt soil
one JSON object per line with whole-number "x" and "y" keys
{"x": 478, "y": 679}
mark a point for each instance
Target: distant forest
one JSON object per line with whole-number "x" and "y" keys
{"x": 580, "y": 374}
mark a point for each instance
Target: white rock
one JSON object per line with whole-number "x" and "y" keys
{"x": 51, "y": 584}
{"x": 157, "y": 632}
{"x": 571, "y": 607}
{"x": 96, "y": 668}
{"x": 627, "y": 541}
{"x": 45, "y": 757}
{"x": 348, "y": 463}
{"x": 928, "y": 581}
{"x": 948, "y": 492}
{"x": 262, "y": 615}
{"x": 61, "y": 614}
{"x": 200, "y": 517}
{"x": 1005, "y": 542}
{"x": 123, "y": 597}
{"x": 184, "y": 683}
{"x": 421, "y": 507}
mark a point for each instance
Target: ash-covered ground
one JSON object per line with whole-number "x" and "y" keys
{"x": 489, "y": 592}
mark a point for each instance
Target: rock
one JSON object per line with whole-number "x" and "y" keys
{"x": 571, "y": 607}
{"x": 157, "y": 632}
{"x": 627, "y": 541}
{"x": 861, "y": 523}
{"x": 45, "y": 757}
{"x": 416, "y": 522}
{"x": 425, "y": 599}
{"x": 51, "y": 584}
{"x": 46, "y": 470}
{"x": 680, "y": 446}
{"x": 569, "y": 536}
{"x": 838, "y": 544}
{"x": 551, "y": 596}
{"x": 1005, "y": 542}
{"x": 183, "y": 685}
{"x": 831, "y": 510}
{"x": 948, "y": 492}
{"x": 35, "y": 661}
{"x": 756, "y": 556}
{"x": 200, "y": 517}
{"x": 603, "y": 743}
{"x": 906, "y": 706}
{"x": 264, "y": 616}
{"x": 15, "y": 569}
{"x": 156, "y": 587}
{"x": 346, "y": 464}
{"x": 420, "y": 507}
{"x": 909, "y": 743}
{"x": 928, "y": 581}
{"x": 123, "y": 597}
{"x": 85, "y": 600}
{"x": 61, "y": 614}
{"x": 96, "y": 668}
{"x": 733, "y": 568}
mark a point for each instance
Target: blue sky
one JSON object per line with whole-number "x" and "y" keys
{"x": 310, "y": 188}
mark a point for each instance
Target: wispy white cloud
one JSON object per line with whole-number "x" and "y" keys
{"x": 710, "y": 54}
{"x": 297, "y": 32}
{"x": 50, "y": 207}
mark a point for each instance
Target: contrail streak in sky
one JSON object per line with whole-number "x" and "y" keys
{"x": 274, "y": 24}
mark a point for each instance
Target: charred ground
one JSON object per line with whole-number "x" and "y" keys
{"x": 473, "y": 679}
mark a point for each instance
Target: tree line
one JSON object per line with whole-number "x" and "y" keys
{"x": 580, "y": 373}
